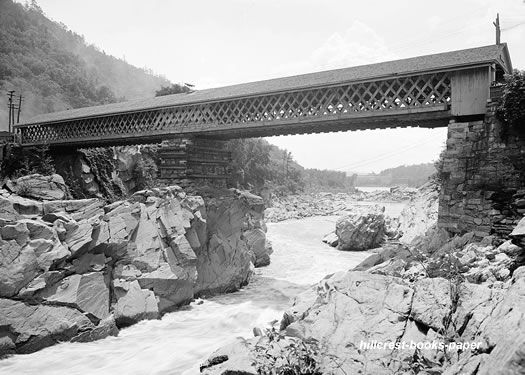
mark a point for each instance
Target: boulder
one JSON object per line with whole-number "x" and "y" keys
{"x": 360, "y": 231}
{"x": 256, "y": 242}
{"x": 39, "y": 187}
{"x": 133, "y": 303}
{"x": 33, "y": 327}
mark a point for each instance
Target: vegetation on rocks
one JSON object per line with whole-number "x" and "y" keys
{"x": 512, "y": 108}
{"x": 101, "y": 162}
{"x": 19, "y": 162}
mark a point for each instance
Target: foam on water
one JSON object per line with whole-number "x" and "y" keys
{"x": 181, "y": 340}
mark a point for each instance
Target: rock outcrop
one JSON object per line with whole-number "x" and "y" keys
{"x": 323, "y": 204}
{"x": 40, "y": 187}
{"x": 350, "y": 310}
{"x": 420, "y": 214}
{"x": 439, "y": 305}
{"x": 89, "y": 267}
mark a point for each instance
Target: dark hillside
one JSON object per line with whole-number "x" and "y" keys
{"x": 55, "y": 69}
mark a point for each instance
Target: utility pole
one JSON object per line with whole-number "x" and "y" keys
{"x": 498, "y": 30}
{"x": 10, "y": 105}
{"x": 19, "y": 108}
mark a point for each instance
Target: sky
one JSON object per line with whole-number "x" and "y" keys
{"x": 212, "y": 43}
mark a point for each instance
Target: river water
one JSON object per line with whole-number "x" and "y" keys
{"x": 181, "y": 340}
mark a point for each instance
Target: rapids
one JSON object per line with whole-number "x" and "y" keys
{"x": 181, "y": 340}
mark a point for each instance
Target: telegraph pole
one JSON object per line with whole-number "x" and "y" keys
{"x": 498, "y": 30}
{"x": 10, "y": 105}
{"x": 19, "y": 108}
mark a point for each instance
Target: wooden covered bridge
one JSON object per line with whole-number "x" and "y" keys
{"x": 425, "y": 91}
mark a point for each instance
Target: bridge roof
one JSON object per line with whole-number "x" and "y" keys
{"x": 454, "y": 60}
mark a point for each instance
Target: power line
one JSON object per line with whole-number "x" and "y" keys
{"x": 513, "y": 27}
{"x": 383, "y": 156}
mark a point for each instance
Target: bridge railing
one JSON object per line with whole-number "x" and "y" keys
{"x": 361, "y": 99}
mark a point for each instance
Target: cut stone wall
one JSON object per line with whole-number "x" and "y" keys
{"x": 483, "y": 187}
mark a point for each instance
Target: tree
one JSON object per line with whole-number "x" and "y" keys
{"x": 174, "y": 88}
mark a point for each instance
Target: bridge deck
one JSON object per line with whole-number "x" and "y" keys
{"x": 408, "y": 92}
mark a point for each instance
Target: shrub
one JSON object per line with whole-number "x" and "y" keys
{"x": 24, "y": 161}
{"x": 296, "y": 357}
{"x": 511, "y": 111}
{"x": 145, "y": 173}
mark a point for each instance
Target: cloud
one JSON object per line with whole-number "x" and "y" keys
{"x": 358, "y": 45}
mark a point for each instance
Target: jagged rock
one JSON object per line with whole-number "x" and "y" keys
{"x": 87, "y": 292}
{"x": 133, "y": 303}
{"x": 38, "y": 229}
{"x": 172, "y": 285}
{"x": 7, "y": 211}
{"x": 48, "y": 252}
{"x": 360, "y": 232}
{"x": 125, "y": 271}
{"x": 386, "y": 253}
{"x": 331, "y": 239}
{"x": 39, "y": 187}
{"x": 40, "y": 282}
{"x": 18, "y": 266}
{"x": 235, "y": 358}
{"x": 89, "y": 262}
{"x": 152, "y": 249}
{"x": 78, "y": 236}
{"x": 347, "y": 309}
{"x": 26, "y": 207}
{"x": 225, "y": 264}
{"x": 106, "y": 327}
{"x": 33, "y": 327}
{"x": 17, "y": 232}
{"x": 78, "y": 209}
{"x": 52, "y": 217}
{"x": 256, "y": 242}
{"x": 432, "y": 302}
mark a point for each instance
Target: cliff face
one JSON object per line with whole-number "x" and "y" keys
{"x": 78, "y": 269}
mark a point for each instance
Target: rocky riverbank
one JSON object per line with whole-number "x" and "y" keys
{"x": 323, "y": 204}
{"x": 78, "y": 270}
{"x": 434, "y": 305}
{"x": 367, "y": 227}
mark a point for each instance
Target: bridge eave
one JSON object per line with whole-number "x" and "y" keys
{"x": 424, "y": 118}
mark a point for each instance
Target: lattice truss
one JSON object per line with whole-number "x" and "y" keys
{"x": 340, "y": 101}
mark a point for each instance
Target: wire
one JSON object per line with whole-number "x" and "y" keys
{"x": 513, "y": 27}
{"x": 385, "y": 155}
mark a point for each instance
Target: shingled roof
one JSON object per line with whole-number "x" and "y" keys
{"x": 481, "y": 56}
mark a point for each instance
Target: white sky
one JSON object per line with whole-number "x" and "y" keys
{"x": 213, "y": 43}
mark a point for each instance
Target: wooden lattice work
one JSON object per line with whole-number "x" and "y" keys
{"x": 389, "y": 96}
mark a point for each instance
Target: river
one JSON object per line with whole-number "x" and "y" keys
{"x": 181, "y": 340}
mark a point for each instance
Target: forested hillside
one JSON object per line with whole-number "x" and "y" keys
{"x": 55, "y": 69}
{"x": 405, "y": 175}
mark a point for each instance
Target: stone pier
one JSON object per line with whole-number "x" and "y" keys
{"x": 483, "y": 184}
